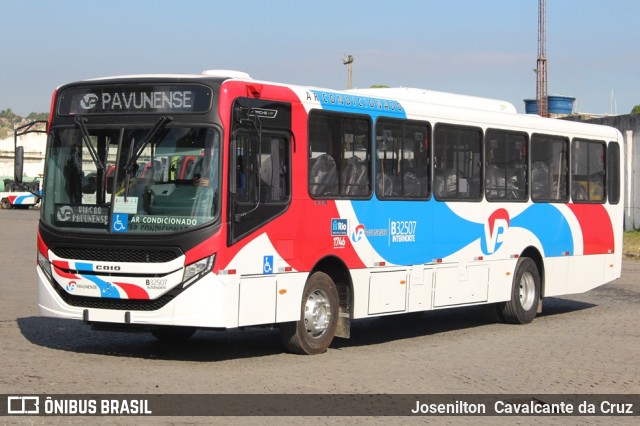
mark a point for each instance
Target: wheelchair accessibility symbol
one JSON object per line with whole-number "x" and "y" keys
{"x": 120, "y": 222}
{"x": 267, "y": 265}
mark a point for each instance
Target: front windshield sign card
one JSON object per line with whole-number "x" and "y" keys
{"x": 128, "y": 205}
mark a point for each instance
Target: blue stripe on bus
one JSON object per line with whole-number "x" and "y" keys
{"x": 344, "y": 102}
{"x": 550, "y": 226}
{"x": 24, "y": 199}
{"x": 106, "y": 288}
{"x": 410, "y": 232}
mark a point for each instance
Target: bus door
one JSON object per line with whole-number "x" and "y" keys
{"x": 259, "y": 192}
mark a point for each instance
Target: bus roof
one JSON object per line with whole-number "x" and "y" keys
{"x": 438, "y": 98}
{"x": 435, "y": 102}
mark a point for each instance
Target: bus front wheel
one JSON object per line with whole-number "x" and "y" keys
{"x": 525, "y": 294}
{"x": 314, "y": 332}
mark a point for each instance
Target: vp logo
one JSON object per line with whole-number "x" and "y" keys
{"x": 89, "y": 101}
{"x": 495, "y": 229}
{"x": 357, "y": 233}
{"x": 71, "y": 286}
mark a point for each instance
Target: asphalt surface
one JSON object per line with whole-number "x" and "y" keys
{"x": 581, "y": 344}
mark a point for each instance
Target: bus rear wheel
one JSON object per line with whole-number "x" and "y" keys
{"x": 315, "y": 330}
{"x": 5, "y": 203}
{"x": 525, "y": 294}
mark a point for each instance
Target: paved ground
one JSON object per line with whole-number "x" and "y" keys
{"x": 587, "y": 343}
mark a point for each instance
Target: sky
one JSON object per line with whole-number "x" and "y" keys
{"x": 485, "y": 48}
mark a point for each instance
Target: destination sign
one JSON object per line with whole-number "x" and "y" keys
{"x": 135, "y": 99}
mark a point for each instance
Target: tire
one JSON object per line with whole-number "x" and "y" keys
{"x": 173, "y": 334}
{"x": 315, "y": 330}
{"x": 5, "y": 203}
{"x": 525, "y": 294}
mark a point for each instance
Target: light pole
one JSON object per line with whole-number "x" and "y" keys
{"x": 348, "y": 61}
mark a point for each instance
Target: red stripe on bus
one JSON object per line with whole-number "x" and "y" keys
{"x": 597, "y": 230}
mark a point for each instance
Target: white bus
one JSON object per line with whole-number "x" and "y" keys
{"x": 216, "y": 201}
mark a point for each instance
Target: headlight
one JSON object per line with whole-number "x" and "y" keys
{"x": 45, "y": 265}
{"x": 197, "y": 270}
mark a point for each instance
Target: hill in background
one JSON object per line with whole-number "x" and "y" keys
{"x": 9, "y": 120}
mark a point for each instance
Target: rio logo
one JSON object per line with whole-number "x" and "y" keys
{"x": 495, "y": 229}
{"x": 339, "y": 227}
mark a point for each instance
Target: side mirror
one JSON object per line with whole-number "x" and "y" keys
{"x": 18, "y": 165}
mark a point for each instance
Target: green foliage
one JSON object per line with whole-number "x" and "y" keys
{"x": 635, "y": 110}
{"x": 631, "y": 244}
{"x": 379, "y": 86}
{"x": 9, "y": 120}
{"x": 8, "y": 114}
{"x": 37, "y": 116}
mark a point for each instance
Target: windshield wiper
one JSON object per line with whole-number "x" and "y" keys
{"x": 80, "y": 121}
{"x": 135, "y": 153}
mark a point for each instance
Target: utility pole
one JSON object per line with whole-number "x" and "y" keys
{"x": 348, "y": 61}
{"x": 542, "y": 98}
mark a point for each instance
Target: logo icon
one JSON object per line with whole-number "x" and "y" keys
{"x": 495, "y": 229}
{"x": 64, "y": 213}
{"x": 71, "y": 286}
{"x": 89, "y": 101}
{"x": 120, "y": 222}
{"x": 267, "y": 265}
{"x": 339, "y": 227}
{"x": 357, "y": 233}
{"x": 23, "y": 405}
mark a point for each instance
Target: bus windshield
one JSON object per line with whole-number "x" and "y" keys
{"x": 131, "y": 179}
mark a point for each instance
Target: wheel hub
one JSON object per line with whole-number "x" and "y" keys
{"x": 317, "y": 313}
{"x": 527, "y": 290}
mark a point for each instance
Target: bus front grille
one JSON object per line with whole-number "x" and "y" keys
{"x": 119, "y": 254}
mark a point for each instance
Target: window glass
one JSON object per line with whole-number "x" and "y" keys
{"x": 129, "y": 179}
{"x": 402, "y": 159}
{"x": 339, "y": 156}
{"x": 260, "y": 165}
{"x": 588, "y": 171}
{"x": 613, "y": 173}
{"x": 549, "y": 168}
{"x": 506, "y": 165}
{"x": 457, "y": 163}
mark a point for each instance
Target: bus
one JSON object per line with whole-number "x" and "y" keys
{"x": 215, "y": 201}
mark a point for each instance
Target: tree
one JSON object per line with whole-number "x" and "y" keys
{"x": 37, "y": 116}
{"x": 635, "y": 110}
{"x": 8, "y": 114}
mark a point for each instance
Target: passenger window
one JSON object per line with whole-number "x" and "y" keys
{"x": 402, "y": 159}
{"x": 339, "y": 156}
{"x": 613, "y": 172}
{"x": 506, "y": 165}
{"x": 549, "y": 168}
{"x": 588, "y": 171}
{"x": 457, "y": 167}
